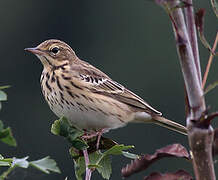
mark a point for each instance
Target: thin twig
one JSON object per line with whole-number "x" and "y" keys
{"x": 209, "y": 62}
{"x": 88, "y": 171}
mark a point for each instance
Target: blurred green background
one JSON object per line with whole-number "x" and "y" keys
{"x": 132, "y": 41}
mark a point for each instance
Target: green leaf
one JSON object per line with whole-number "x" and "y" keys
{"x": 6, "y": 162}
{"x": 46, "y": 165}
{"x": 55, "y": 127}
{"x": 94, "y": 157}
{"x": 4, "y": 87}
{"x": 94, "y": 166}
{"x": 63, "y": 128}
{"x": 117, "y": 149}
{"x": 79, "y": 164}
{"x": 211, "y": 87}
{"x": 23, "y": 163}
{"x": 74, "y": 153}
{"x": 6, "y": 136}
{"x": 100, "y": 161}
{"x": 103, "y": 159}
{"x": 130, "y": 155}
{"x": 1, "y": 126}
{"x": 66, "y": 129}
{"x": 3, "y": 163}
{"x": 79, "y": 168}
{"x": 3, "y": 96}
{"x": 79, "y": 144}
{"x": 105, "y": 167}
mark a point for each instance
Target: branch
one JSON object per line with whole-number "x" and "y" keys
{"x": 200, "y": 133}
{"x": 187, "y": 61}
{"x": 191, "y": 28}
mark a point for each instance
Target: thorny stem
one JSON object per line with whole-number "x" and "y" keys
{"x": 209, "y": 62}
{"x": 88, "y": 171}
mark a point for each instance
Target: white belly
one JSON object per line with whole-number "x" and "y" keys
{"x": 87, "y": 119}
{"x": 84, "y": 117}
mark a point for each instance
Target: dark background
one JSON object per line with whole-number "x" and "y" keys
{"x": 132, "y": 41}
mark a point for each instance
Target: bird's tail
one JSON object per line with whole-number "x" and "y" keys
{"x": 169, "y": 124}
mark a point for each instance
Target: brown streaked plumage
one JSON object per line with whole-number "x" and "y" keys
{"x": 88, "y": 97}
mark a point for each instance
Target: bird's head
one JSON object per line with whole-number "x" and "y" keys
{"x": 53, "y": 53}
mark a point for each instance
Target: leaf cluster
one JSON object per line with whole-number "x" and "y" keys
{"x": 100, "y": 159}
{"x": 45, "y": 165}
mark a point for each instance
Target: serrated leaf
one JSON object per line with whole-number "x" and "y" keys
{"x": 6, "y": 136}
{"x": 142, "y": 163}
{"x": 46, "y": 165}
{"x": 99, "y": 161}
{"x": 94, "y": 157}
{"x": 3, "y": 96}
{"x": 103, "y": 159}
{"x": 55, "y": 127}
{"x": 211, "y": 87}
{"x": 79, "y": 144}
{"x": 130, "y": 155}
{"x": 23, "y": 163}
{"x": 117, "y": 149}
{"x": 105, "y": 167}
{"x": 66, "y": 129}
{"x": 63, "y": 128}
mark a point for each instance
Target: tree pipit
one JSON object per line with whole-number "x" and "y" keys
{"x": 86, "y": 96}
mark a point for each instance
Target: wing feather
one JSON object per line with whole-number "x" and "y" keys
{"x": 102, "y": 84}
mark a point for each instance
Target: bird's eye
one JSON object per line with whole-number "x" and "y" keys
{"x": 55, "y": 50}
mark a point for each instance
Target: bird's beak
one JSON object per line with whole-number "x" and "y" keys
{"x": 35, "y": 51}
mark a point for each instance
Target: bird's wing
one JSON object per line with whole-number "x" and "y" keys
{"x": 100, "y": 83}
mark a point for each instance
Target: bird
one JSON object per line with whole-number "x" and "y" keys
{"x": 87, "y": 97}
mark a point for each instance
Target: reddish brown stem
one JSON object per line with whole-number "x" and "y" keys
{"x": 191, "y": 29}
{"x": 88, "y": 171}
{"x": 200, "y": 134}
{"x": 209, "y": 62}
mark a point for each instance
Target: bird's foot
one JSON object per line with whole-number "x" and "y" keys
{"x": 99, "y": 133}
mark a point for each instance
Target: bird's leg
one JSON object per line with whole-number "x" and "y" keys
{"x": 89, "y": 136}
{"x": 97, "y": 133}
{"x": 99, "y": 137}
